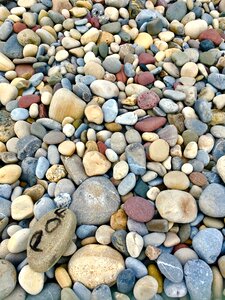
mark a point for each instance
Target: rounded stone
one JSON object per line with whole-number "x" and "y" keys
{"x": 148, "y": 100}
{"x": 211, "y": 201}
{"x": 144, "y": 39}
{"x": 176, "y": 206}
{"x": 28, "y": 36}
{"x": 174, "y": 290}
{"x": 185, "y": 254}
{"x": 102, "y": 261}
{"x": 32, "y": 282}
{"x": 10, "y": 174}
{"x": 49, "y": 238}
{"x": 95, "y": 200}
{"x": 95, "y": 163}
{"x": 139, "y": 209}
{"x": 159, "y": 150}
{"x": 104, "y": 89}
{"x": 195, "y": 27}
{"x": 8, "y": 278}
{"x": 220, "y": 166}
{"x": 170, "y": 267}
{"x": 104, "y": 234}
{"x": 125, "y": 281}
{"x": 134, "y": 243}
{"x": 176, "y": 180}
{"x": 145, "y": 288}
{"x": 22, "y": 208}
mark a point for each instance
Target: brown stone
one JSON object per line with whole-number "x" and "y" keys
{"x": 59, "y": 5}
{"x": 146, "y": 58}
{"x": 25, "y": 71}
{"x": 150, "y": 124}
{"x": 212, "y": 35}
{"x": 17, "y": 27}
{"x": 139, "y": 209}
{"x": 144, "y": 78}
{"x": 118, "y": 220}
{"x": 198, "y": 178}
{"x": 26, "y": 101}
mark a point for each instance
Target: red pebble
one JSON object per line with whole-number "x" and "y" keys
{"x": 139, "y": 209}
{"x": 146, "y": 58}
{"x": 43, "y": 111}
{"x": 179, "y": 246}
{"x": 95, "y": 22}
{"x": 17, "y": 27}
{"x": 26, "y": 101}
{"x": 101, "y": 147}
{"x": 36, "y": 27}
{"x": 212, "y": 35}
{"x": 148, "y": 100}
{"x": 121, "y": 76}
{"x": 150, "y": 124}
{"x": 144, "y": 78}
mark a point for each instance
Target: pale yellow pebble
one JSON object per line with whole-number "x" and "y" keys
{"x": 217, "y": 284}
{"x": 171, "y": 240}
{"x": 94, "y": 113}
{"x": 213, "y": 222}
{"x": 75, "y": 34}
{"x": 189, "y": 113}
{"x": 167, "y": 163}
{"x": 33, "y": 110}
{"x": 202, "y": 70}
{"x": 68, "y": 130}
{"x": 170, "y": 51}
{"x": 152, "y": 193}
{"x": 14, "y": 18}
{"x": 18, "y": 11}
{"x": 159, "y": 84}
{"x": 160, "y": 56}
{"x": 150, "y": 136}
{"x": 67, "y": 120}
{"x": 166, "y": 36}
{"x": 144, "y": 39}
{"x": 61, "y": 55}
{"x": 4, "y": 13}
{"x": 2, "y": 147}
{"x": 18, "y": 241}
{"x": 120, "y": 170}
{"x": 26, "y": 3}
{"x": 187, "y": 168}
{"x": 55, "y": 173}
{"x": 176, "y": 151}
{"x": 124, "y": 13}
{"x": 22, "y": 208}
{"x": 219, "y": 101}
{"x": 10, "y": 75}
{"x": 5, "y": 63}
{"x": 191, "y": 150}
{"x": 32, "y": 282}
{"x": 95, "y": 163}
{"x": 13, "y": 229}
{"x": 190, "y": 69}
{"x": 180, "y": 140}
{"x": 71, "y": 249}
{"x": 46, "y": 98}
{"x": 104, "y": 234}
{"x": 112, "y": 13}
{"x": 159, "y": 150}
{"x": 195, "y": 27}
{"x": 62, "y": 277}
{"x": 67, "y": 148}
{"x": 90, "y": 36}
{"x": 10, "y": 173}
{"x": 215, "y": 23}
{"x": 80, "y": 149}
{"x": 161, "y": 45}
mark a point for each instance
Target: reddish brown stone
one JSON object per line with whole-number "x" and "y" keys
{"x": 198, "y": 178}
{"x": 121, "y": 76}
{"x": 17, "y": 27}
{"x": 139, "y": 209}
{"x": 101, "y": 147}
{"x": 95, "y": 22}
{"x": 36, "y": 27}
{"x": 144, "y": 78}
{"x": 59, "y": 5}
{"x": 26, "y": 101}
{"x": 179, "y": 246}
{"x": 146, "y": 58}
{"x": 148, "y": 100}
{"x": 212, "y": 35}
{"x": 25, "y": 71}
{"x": 161, "y": 3}
{"x": 150, "y": 124}
{"x": 43, "y": 111}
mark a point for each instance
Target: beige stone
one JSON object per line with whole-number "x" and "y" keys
{"x": 95, "y": 163}
{"x": 145, "y": 288}
{"x": 176, "y": 206}
{"x": 195, "y": 27}
{"x": 66, "y": 104}
{"x": 220, "y": 166}
{"x": 10, "y": 174}
{"x": 176, "y": 180}
{"x": 104, "y": 234}
{"x": 190, "y": 69}
{"x": 22, "y": 208}
{"x": 94, "y": 69}
{"x": 32, "y": 282}
{"x": 101, "y": 261}
{"x": 120, "y": 170}
{"x": 18, "y": 241}
{"x": 94, "y": 113}
{"x": 159, "y": 150}
{"x": 8, "y": 92}
{"x": 63, "y": 278}
{"x": 55, "y": 173}
{"x": 67, "y": 148}
{"x": 5, "y": 63}
{"x": 28, "y": 36}
{"x": 90, "y": 36}
{"x": 144, "y": 39}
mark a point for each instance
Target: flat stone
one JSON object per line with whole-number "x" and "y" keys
{"x": 176, "y": 180}
{"x": 27, "y": 146}
{"x": 170, "y": 267}
{"x": 211, "y": 201}
{"x": 22, "y": 208}
{"x": 12, "y": 48}
{"x": 196, "y": 125}
{"x": 104, "y": 261}
{"x": 150, "y": 124}
{"x": 125, "y": 281}
{"x": 28, "y": 36}
{"x": 74, "y": 167}
{"x": 139, "y": 209}
{"x": 207, "y": 243}
{"x": 49, "y": 238}
{"x": 104, "y": 89}
{"x": 10, "y": 174}
{"x": 145, "y": 288}
{"x": 7, "y": 278}
{"x": 184, "y": 206}
{"x": 217, "y": 80}
{"x": 198, "y": 279}
{"x": 32, "y": 282}
{"x": 136, "y": 158}
{"x": 94, "y": 201}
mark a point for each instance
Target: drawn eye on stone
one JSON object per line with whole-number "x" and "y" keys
{"x": 60, "y": 212}
{"x": 35, "y": 241}
{"x": 52, "y": 224}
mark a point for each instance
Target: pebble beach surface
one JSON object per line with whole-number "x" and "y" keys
{"x": 112, "y": 149}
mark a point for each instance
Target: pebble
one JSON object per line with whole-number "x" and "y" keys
{"x": 198, "y": 279}
{"x": 139, "y": 209}
{"x": 137, "y": 266}
{"x": 28, "y": 275}
{"x": 185, "y": 204}
{"x": 125, "y": 281}
{"x": 159, "y": 150}
{"x": 145, "y": 288}
{"x": 136, "y": 158}
{"x": 8, "y": 278}
{"x": 209, "y": 239}
{"x": 22, "y": 208}
{"x": 134, "y": 244}
{"x": 102, "y": 194}
{"x": 51, "y": 234}
{"x": 107, "y": 264}
{"x": 10, "y": 174}
{"x": 101, "y": 292}
{"x": 104, "y": 89}
{"x": 170, "y": 267}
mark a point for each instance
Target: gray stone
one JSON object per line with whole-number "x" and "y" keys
{"x": 12, "y": 49}
{"x": 155, "y": 26}
{"x": 74, "y": 167}
{"x": 127, "y": 184}
{"x": 211, "y": 201}
{"x": 53, "y": 155}
{"x": 50, "y": 291}
{"x": 175, "y": 95}
{"x": 8, "y": 278}
{"x": 203, "y": 109}
{"x": 129, "y": 118}
{"x": 81, "y": 291}
{"x": 38, "y": 130}
{"x": 174, "y": 290}
{"x": 68, "y": 294}
{"x": 137, "y": 266}
{"x": 49, "y": 238}
{"x": 95, "y": 200}
{"x": 170, "y": 267}
{"x": 17, "y": 294}
{"x": 119, "y": 241}
{"x": 5, "y": 191}
{"x": 62, "y": 200}
{"x": 112, "y": 27}
{"x": 111, "y": 64}
{"x": 196, "y": 125}
{"x": 168, "y": 106}
{"x": 49, "y": 123}
{"x": 28, "y": 170}
{"x": 5, "y": 30}
{"x": 110, "y": 110}
{"x": 64, "y": 185}
{"x": 19, "y": 114}
{"x": 136, "y": 158}
{"x": 217, "y": 80}
{"x": 42, "y": 167}
{"x": 43, "y": 206}
{"x": 101, "y": 292}
{"x": 118, "y": 142}
{"x": 176, "y": 11}
{"x": 169, "y": 134}
{"x": 27, "y": 146}
{"x": 5, "y": 207}
{"x": 207, "y": 243}
{"x": 198, "y": 279}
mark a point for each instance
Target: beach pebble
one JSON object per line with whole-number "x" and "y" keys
{"x": 8, "y": 278}
{"x": 170, "y": 267}
{"x": 27, "y": 275}
{"x": 145, "y": 288}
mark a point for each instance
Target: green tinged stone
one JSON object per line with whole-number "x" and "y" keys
{"x": 103, "y": 49}
{"x": 141, "y": 188}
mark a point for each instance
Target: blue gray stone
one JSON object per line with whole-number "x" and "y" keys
{"x": 36, "y": 79}
{"x": 170, "y": 267}
{"x": 174, "y": 290}
{"x": 101, "y": 292}
{"x": 28, "y": 170}
{"x": 217, "y": 80}
{"x": 137, "y": 266}
{"x": 129, "y": 70}
{"x": 12, "y": 49}
{"x": 81, "y": 291}
{"x": 5, "y": 30}
{"x": 198, "y": 165}
{"x": 50, "y": 291}
{"x": 176, "y": 11}
{"x": 196, "y": 125}
{"x": 127, "y": 184}
{"x": 203, "y": 109}
{"x": 138, "y": 227}
{"x": 218, "y": 149}
{"x": 82, "y": 91}
{"x": 5, "y": 207}
{"x": 53, "y": 155}
{"x": 49, "y": 123}
{"x": 125, "y": 281}
{"x": 203, "y": 156}
{"x": 110, "y": 110}
{"x": 136, "y": 158}
{"x": 27, "y": 146}
{"x": 112, "y": 64}
{"x": 42, "y": 167}
{"x": 84, "y": 231}
{"x": 119, "y": 241}
{"x": 211, "y": 201}
{"x": 198, "y": 279}
{"x": 5, "y": 191}
{"x": 19, "y": 114}
{"x": 43, "y": 206}
{"x": 207, "y": 243}
{"x": 168, "y": 106}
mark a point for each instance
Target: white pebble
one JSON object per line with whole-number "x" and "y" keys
{"x": 152, "y": 193}
{"x": 33, "y": 110}
{"x": 187, "y": 168}
{"x": 68, "y": 130}
{"x": 32, "y": 282}
{"x": 111, "y": 155}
